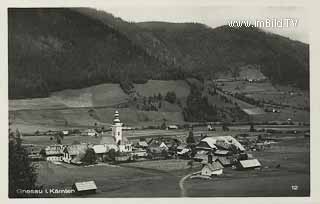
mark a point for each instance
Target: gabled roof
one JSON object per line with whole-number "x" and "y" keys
{"x": 205, "y": 145}
{"x": 249, "y": 163}
{"x": 182, "y": 146}
{"x": 224, "y": 161}
{"x": 143, "y": 143}
{"x": 223, "y": 141}
{"x": 99, "y": 149}
{"x": 54, "y": 150}
{"x": 76, "y": 149}
{"x": 201, "y": 157}
{"x": 85, "y": 186}
{"x": 221, "y": 152}
{"x": 163, "y": 145}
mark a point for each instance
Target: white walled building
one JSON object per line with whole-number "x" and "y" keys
{"x": 117, "y": 128}
{"x": 117, "y": 140}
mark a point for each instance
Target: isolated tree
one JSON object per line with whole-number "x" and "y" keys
{"x": 22, "y": 173}
{"x": 164, "y": 125}
{"x": 251, "y": 128}
{"x": 89, "y": 157}
{"x": 190, "y": 138}
{"x": 225, "y": 127}
{"x": 171, "y": 97}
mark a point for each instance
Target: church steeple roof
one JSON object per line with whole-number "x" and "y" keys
{"x": 116, "y": 118}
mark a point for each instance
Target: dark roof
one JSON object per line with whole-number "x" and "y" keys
{"x": 224, "y": 161}
{"x": 76, "y": 149}
{"x": 203, "y": 145}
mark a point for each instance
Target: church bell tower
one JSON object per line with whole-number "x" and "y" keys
{"x": 117, "y": 128}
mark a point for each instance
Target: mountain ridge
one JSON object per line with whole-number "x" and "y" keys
{"x": 56, "y": 49}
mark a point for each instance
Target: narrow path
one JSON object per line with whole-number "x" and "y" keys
{"x": 181, "y": 182}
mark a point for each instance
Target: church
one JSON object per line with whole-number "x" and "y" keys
{"x": 117, "y": 140}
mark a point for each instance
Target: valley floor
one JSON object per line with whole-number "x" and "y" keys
{"x": 161, "y": 178}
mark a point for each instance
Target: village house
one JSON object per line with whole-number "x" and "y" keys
{"x": 100, "y": 150}
{"x": 182, "y": 149}
{"x": 139, "y": 153}
{"x": 34, "y": 152}
{"x": 54, "y": 152}
{"x": 84, "y": 188}
{"x": 89, "y": 132}
{"x": 248, "y": 164}
{"x": 221, "y": 142}
{"x": 224, "y": 161}
{"x": 73, "y": 154}
{"x": 210, "y": 169}
{"x": 207, "y": 144}
{"x": 172, "y": 127}
{"x": 142, "y": 144}
{"x": 65, "y": 132}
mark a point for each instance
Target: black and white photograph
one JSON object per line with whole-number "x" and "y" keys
{"x": 158, "y": 102}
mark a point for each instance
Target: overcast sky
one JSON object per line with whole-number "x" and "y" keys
{"x": 217, "y": 16}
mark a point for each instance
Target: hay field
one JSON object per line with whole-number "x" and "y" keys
{"x": 99, "y": 95}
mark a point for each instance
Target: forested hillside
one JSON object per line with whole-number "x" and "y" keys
{"x": 56, "y": 49}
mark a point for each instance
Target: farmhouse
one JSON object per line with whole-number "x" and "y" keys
{"x": 100, "y": 150}
{"x": 223, "y": 142}
{"x": 34, "y": 152}
{"x": 54, "y": 152}
{"x": 248, "y": 164}
{"x": 207, "y": 143}
{"x": 172, "y": 127}
{"x": 214, "y": 168}
{"x": 74, "y": 153}
{"x": 65, "y": 132}
{"x": 224, "y": 161}
{"x": 89, "y": 132}
{"x": 87, "y": 187}
{"x": 182, "y": 149}
{"x": 142, "y": 144}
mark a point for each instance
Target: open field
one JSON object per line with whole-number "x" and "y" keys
{"x": 301, "y": 100}
{"x": 284, "y": 115}
{"x": 29, "y": 121}
{"x": 246, "y": 87}
{"x": 161, "y": 178}
{"x": 99, "y": 95}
